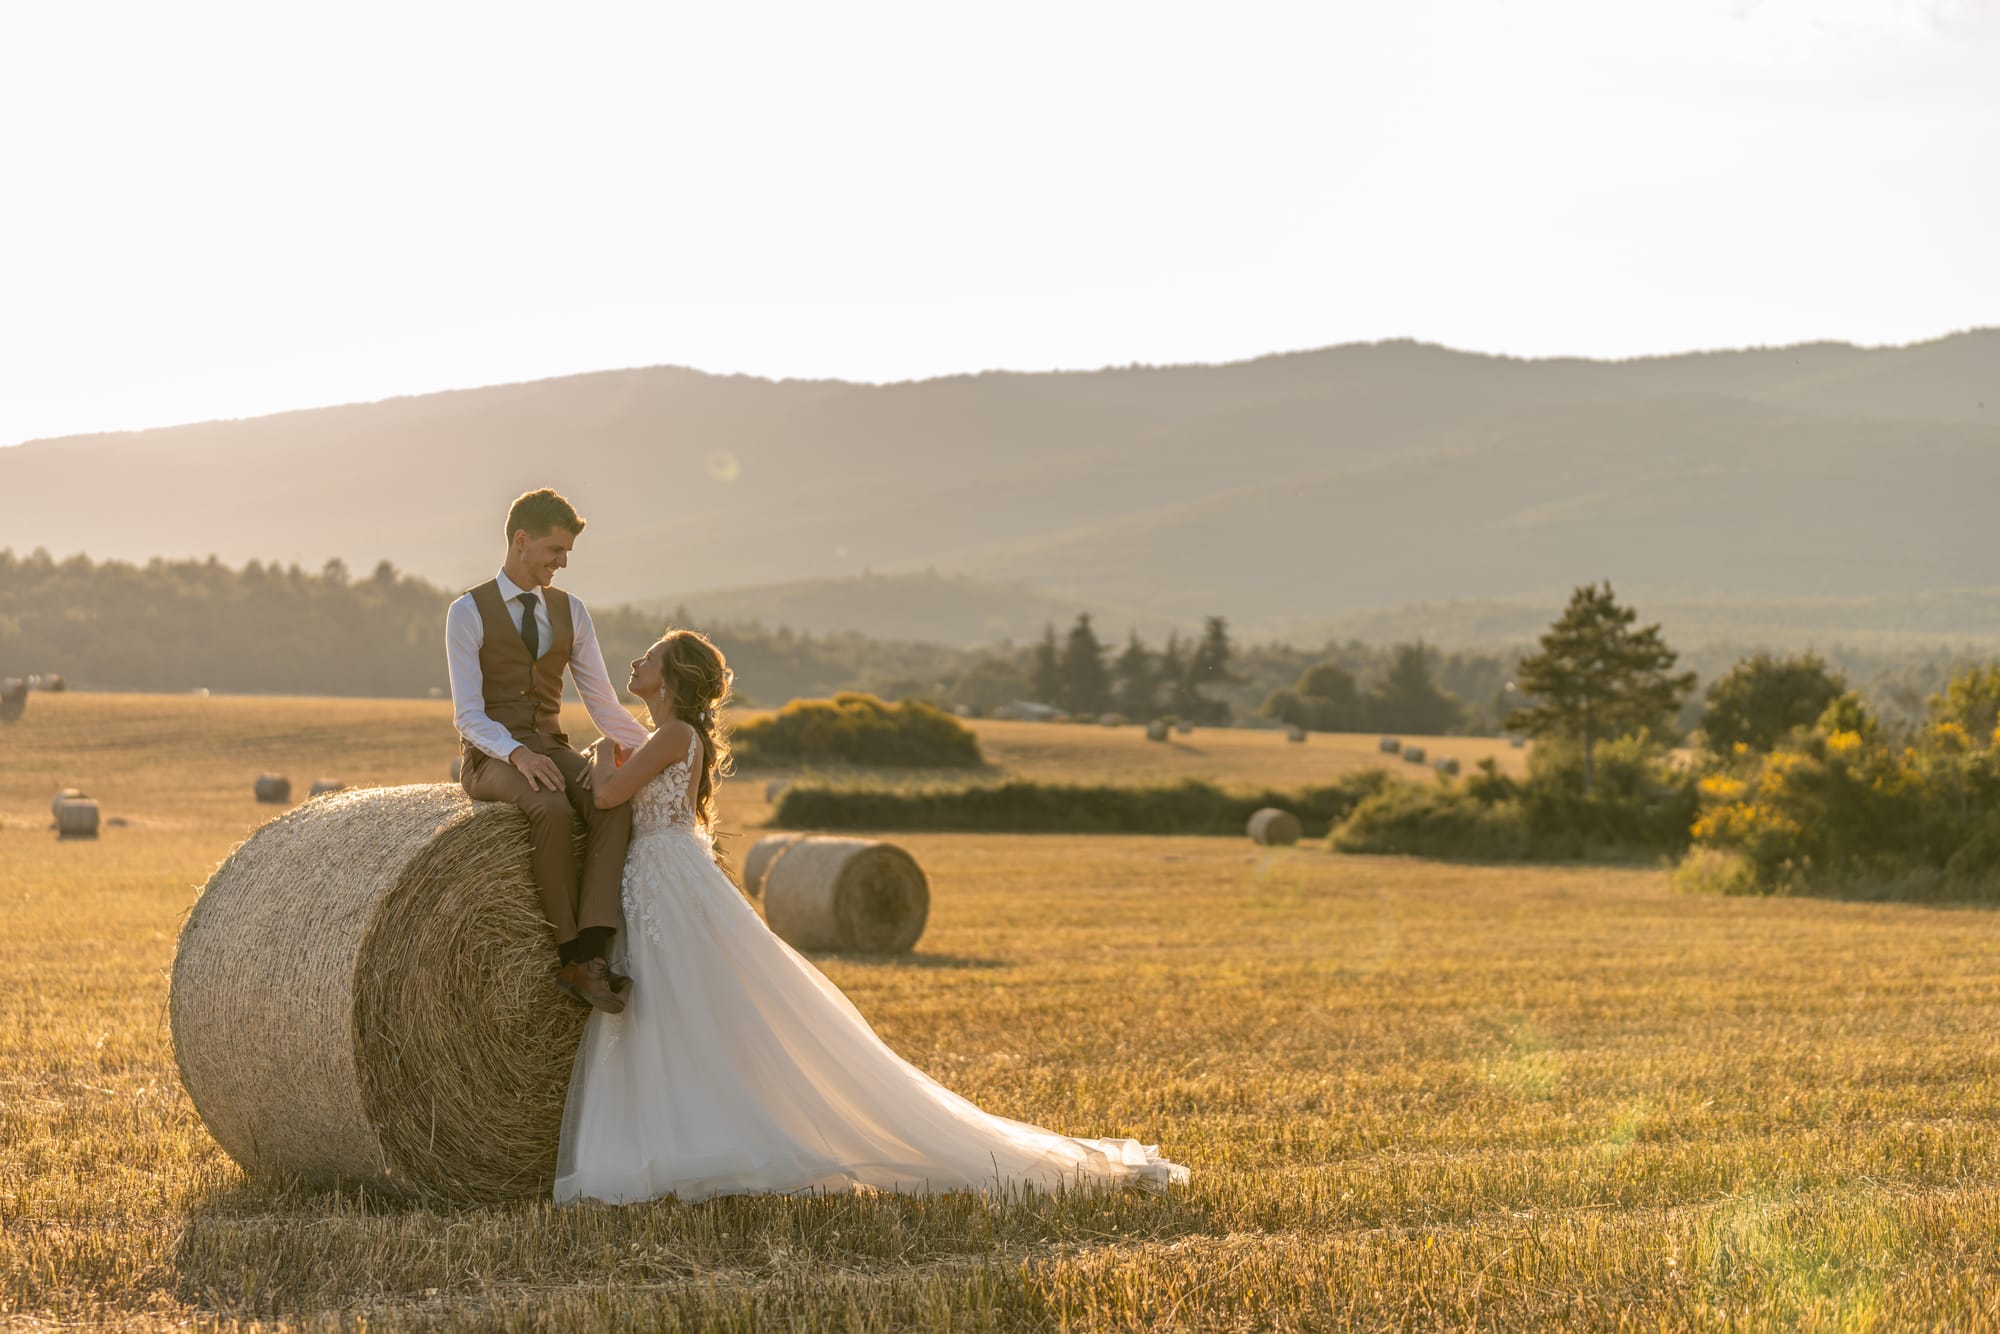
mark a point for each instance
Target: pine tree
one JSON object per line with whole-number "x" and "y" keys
{"x": 1047, "y": 675}
{"x": 1138, "y": 686}
{"x": 1183, "y": 701}
{"x": 1086, "y": 685}
{"x": 1597, "y": 678}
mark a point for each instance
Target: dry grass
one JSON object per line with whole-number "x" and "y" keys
{"x": 1413, "y": 1095}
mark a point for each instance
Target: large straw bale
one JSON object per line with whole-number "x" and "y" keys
{"x": 1413, "y": 754}
{"x": 1389, "y": 745}
{"x": 274, "y": 788}
{"x": 1156, "y": 730}
{"x": 76, "y": 818}
{"x": 1272, "y": 827}
{"x": 1295, "y": 733}
{"x": 1446, "y": 764}
{"x": 364, "y": 992}
{"x": 67, "y": 794}
{"x": 764, "y": 854}
{"x": 13, "y": 699}
{"x": 846, "y": 894}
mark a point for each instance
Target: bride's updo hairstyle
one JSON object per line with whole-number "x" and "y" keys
{"x": 697, "y": 681}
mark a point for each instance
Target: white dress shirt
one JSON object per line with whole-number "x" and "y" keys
{"x": 465, "y": 632}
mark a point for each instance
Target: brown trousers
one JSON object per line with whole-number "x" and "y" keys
{"x": 573, "y": 897}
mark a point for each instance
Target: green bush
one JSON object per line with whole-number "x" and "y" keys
{"x": 1844, "y": 809}
{"x": 1023, "y": 807}
{"x": 856, "y": 729}
{"x": 1639, "y": 807}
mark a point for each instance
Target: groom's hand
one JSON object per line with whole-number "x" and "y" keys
{"x": 539, "y": 770}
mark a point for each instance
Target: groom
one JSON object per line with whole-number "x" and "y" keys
{"x": 508, "y": 642}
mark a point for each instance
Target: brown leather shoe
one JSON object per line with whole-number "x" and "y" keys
{"x": 587, "y": 982}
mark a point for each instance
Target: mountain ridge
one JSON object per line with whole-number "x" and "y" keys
{"x": 1297, "y": 486}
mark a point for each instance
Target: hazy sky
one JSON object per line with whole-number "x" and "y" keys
{"x": 222, "y": 210}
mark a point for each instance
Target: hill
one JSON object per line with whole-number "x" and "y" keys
{"x": 1306, "y": 486}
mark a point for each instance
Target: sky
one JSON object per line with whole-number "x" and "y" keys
{"x": 219, "y": 210}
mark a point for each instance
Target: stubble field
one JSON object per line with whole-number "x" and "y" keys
{"x": 1413, "y": 1094}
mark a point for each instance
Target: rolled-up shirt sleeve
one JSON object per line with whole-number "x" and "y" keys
{"x": 593, "y": 683}
{"x": 463, "y": 635}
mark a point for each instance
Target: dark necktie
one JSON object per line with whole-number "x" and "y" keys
{"x": 531, "y": 634}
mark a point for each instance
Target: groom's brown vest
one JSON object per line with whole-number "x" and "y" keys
{"x": 523, "y": 694}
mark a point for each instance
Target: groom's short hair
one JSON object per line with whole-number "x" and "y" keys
{"x": 539, "y": 511}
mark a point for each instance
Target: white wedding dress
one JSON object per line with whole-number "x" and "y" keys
{"x": 737, "y": 1067}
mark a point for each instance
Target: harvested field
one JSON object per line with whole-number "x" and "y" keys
{"x": 1413, "y": 1095}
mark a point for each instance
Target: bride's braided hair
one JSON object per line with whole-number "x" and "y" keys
{"x": 699, "y": 679}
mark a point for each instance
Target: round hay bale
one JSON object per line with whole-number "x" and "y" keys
{"x": 846, "y": 894}
{"x": 1413, "y": 754}
{"x": 76, "y": 819}
{"x": 13, "y": 699}
{"x": 775, "y": 789}
{"x": 1112, "y": 720}
{"x": 1389, "y": 745}
{"x": 274, "y": 788}
{"x": 1274, "y": 828}
{"x": 1156, "y": 730}
{"x": 1517, "y": 741}
{"x": 67, "y": 794}
{"x": 1185, "y": 729}
{"x": 1446, "y": 764}
{"x": 1295, "y": 733}
{"x": 764, "y": 854}
{"x": 322, "y": 786}
{"x": 365, "y": 992}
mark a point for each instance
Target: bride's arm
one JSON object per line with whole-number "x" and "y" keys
{"x": 614, "y": 785}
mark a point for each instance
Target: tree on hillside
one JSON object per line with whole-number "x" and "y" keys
{"x": 1047, "y": 673}
{"x": 1208, "y": 665}
{"x": 1408, "y": 698}
{"x": 1137, "y": 689}
{"x": 1596, "y": 677}
{"x": 1086, "y": 685}
{"x": 1763, "y": 697}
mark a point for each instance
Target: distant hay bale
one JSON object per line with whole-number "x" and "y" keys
{"x": 775, "y": 789}
{"x": 322, "y": 786}
{"x": 50, "y": 681}
{"x": 763, "y": 855}
{"x": 67, "y": 794}
{"x": 364, "y": 993}
{"x": 1445, "y": 764}
{"x": 274, "y": 788}
{"x": 1517, "y": 741}
{"x": 76, "y": 819}
{"x": 1389, "y": 745}
{"x": 13, "y": 698}
{"x": 1413, "y": 754}
{"x": 846, "y": 894}
{"x": 1156, "y": 730}
{"x": 1274, "y": 828}
{"x": 1295, "y": 733}
{"x": 1184, "y": 728}
{"x": 1112, "y": 720}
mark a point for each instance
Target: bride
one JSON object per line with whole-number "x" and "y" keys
{"x": 736, "y": 1066}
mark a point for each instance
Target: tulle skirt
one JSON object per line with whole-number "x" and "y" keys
{"x": 737, "y": 1067}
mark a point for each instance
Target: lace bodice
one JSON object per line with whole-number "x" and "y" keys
{"x": 667, "y": 801}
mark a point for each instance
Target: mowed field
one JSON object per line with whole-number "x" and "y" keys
{"x": 1413, "y": 1095}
